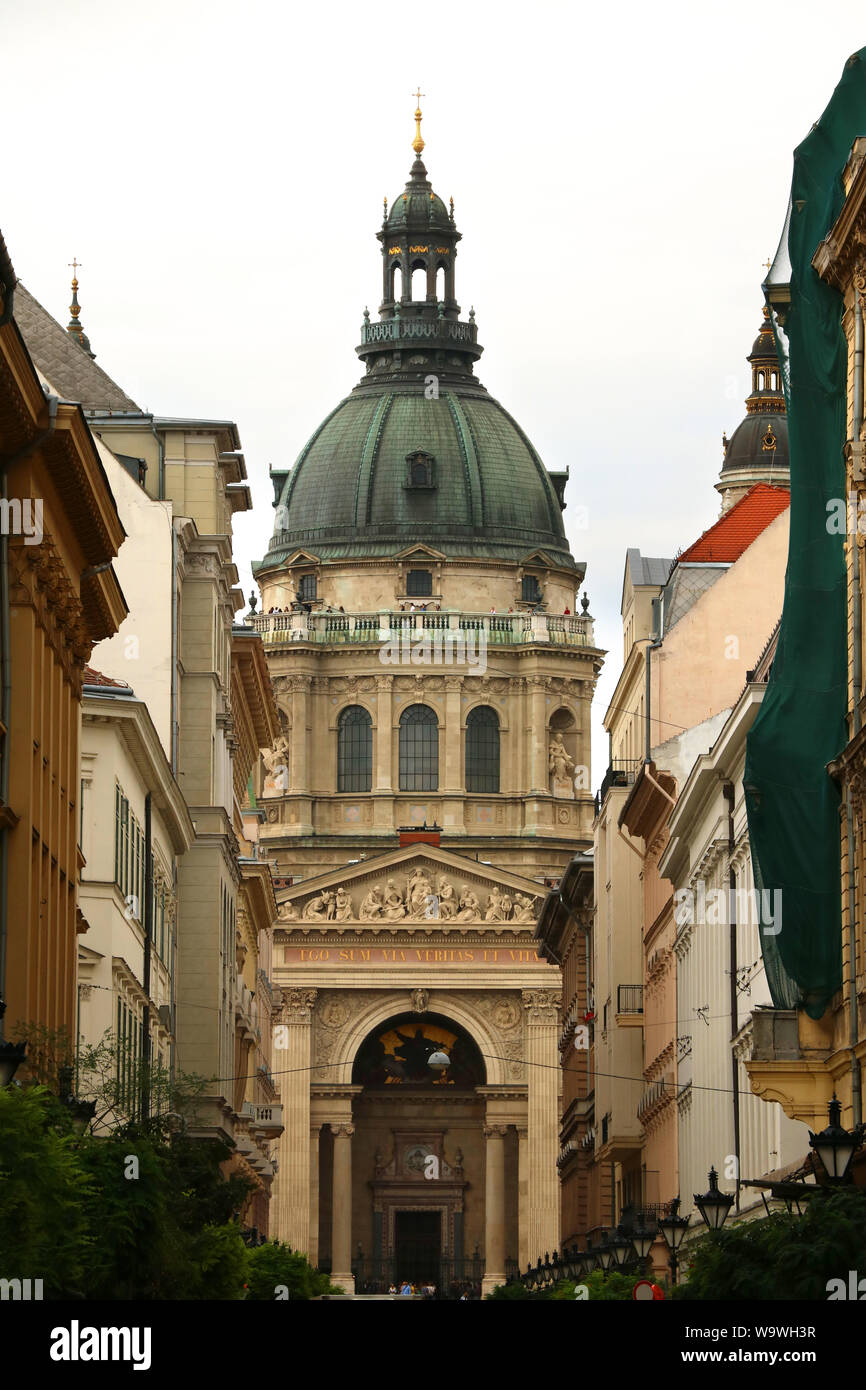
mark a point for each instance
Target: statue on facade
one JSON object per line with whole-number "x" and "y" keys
{"x": 343, "y": 907}
{"x": 494, "y": 911}
{"x": 321, "y": 908}
{"x": 447, "y": 899}
{"x": 419, "y": 999}
{"x": 372, "y": 906}
{"x": 287, "y": 912}
{"x": 418, "y": 893}
{"x": 561, "y": 764}
{"x": 469, "y": 907}
{"x": 276, "y": 761}
{"x": 394, "y": 908}
{"x": 524, "y": 908}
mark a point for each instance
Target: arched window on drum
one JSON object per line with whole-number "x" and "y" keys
{"x": 354, "y": 750}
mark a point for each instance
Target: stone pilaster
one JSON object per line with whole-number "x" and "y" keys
{"x": 523, "y": 1257}
{"x": 292, "y": 1184}
{"x": 542, "y": 1057}
{"x": 341, "y": 1238}
{"x": 453, "y": 781}
{"x": 315, "y": 1131}
{"x": 494, "y": 1208}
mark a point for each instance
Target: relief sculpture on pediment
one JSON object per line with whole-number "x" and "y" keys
{"x": 424, "y": 895}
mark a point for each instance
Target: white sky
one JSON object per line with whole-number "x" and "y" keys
{"x": 620, "y": 173}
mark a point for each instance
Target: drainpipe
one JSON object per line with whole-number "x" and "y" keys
{"x": 6, "y": 691}
{"x": 174, "y": 606}
{"x": 728, "y": 793}
{"x": 857, "y": 681}
{"x": 147, "y": 922}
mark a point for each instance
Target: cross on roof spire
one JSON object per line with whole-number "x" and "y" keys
{"x": 418, "y": 143}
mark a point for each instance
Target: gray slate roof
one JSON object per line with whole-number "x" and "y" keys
{"x": 643, "y": 569}
{"x": 60, "y": 358}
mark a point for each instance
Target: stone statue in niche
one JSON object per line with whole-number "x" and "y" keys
{"x": 561, "y": 765}
{"x": 276, "y": 761}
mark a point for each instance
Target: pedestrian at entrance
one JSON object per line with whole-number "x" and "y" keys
{"x": 406, "y": 1289}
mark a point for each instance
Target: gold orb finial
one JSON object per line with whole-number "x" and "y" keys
{"x": 418, "y": 142}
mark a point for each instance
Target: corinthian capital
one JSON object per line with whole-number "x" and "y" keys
{"x": 541, "y": 1005}
{"x": 298, "y": 1005}
{"x": 337, "y": 1130}
{"x": 495, "y": 1131}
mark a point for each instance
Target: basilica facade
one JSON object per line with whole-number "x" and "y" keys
{"x": 428, "y": 786}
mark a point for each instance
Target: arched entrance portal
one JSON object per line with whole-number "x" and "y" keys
{"x": 420, "y": 1160}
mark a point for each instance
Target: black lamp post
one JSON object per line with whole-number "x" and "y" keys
{"x": 713, "y": 1204}
{"x": 80, "y": 1112}
{"x": 836, "y": 1146}
{"x": 673, "y": 1228}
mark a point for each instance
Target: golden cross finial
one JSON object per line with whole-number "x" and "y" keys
{"x": 418, "y": 143}
{"x": 76, "y": 265}
{"x": 767, "y": 263}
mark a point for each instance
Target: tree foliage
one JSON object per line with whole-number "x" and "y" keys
{"x": 782, "y": 1256}
{"x": 276, "y": 1266}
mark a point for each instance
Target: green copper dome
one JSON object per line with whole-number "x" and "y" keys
{"x": 388, "y": 468}
{"x": 419, "y": 452}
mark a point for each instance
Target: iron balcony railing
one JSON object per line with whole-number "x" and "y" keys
{"x": 629, "y": 999}
{"x": 372, "y": 629}
{"x": 397, "y": 329}
{"x": 620, "y": 773}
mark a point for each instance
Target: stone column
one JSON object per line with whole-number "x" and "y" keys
{"x": 292, "y": 1185}
{"x": 541, "y": 1008}
{"x": 384, "y": 733}
{"x": 494, "y": 1208}
{"x": 315, "y": 1130}
{"x": 341, "y": 1236}
{"x": 523, "y": 1257}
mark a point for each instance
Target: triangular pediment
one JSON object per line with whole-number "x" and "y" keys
{"x": 537, "y": 560}
{"x": 300, "y": 557}
{"x": 418, "y": 883}
{"x": 420, "y": 552}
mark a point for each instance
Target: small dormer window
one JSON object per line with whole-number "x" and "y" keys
{"x": 530, "y": 589}
{"x": 419, "y": 470}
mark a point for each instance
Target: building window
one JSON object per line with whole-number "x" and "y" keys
{"x": 419, "y": 750}
{"x": 354, "y": 750}
{"x": 307, "y": 588}
{"x": 419, "y": 470}
{"x": 419, "y": 584}
{"x": 530, "y": 591}
{"x": 482, "y": 750}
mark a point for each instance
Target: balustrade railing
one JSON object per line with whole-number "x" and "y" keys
{"x": 497, "y": 628}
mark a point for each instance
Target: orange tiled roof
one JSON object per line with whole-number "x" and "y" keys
{"x": 93, "y": 677}
{"x": 734, "y": 532}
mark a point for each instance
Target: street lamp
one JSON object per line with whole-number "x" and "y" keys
{"x": 713, "y": 1204}
{"x": 673, "y": 1229}
{"x": 643, "y": 1236}
{"x": 836, "y": 1146}
{"x": 620, "y": 1244}
{"x": 80, "y": 1112}
{"x": 604, "y": 1251}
